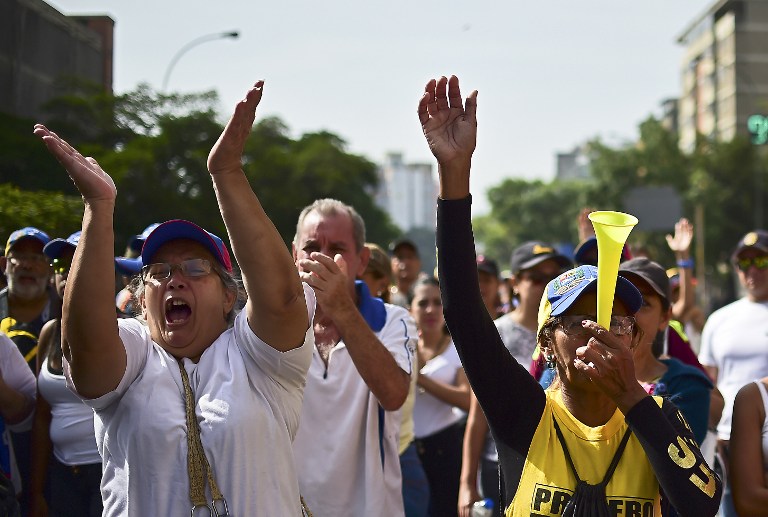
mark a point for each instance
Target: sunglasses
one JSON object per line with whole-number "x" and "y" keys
{"x": 160, "y": 271}
{"x": 758, "y": 262}
{"x": 61, "y": 265}
{"x": 571, "y": 325}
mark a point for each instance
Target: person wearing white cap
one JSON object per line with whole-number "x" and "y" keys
{"x": 195, "y": 406}
{"x": 594, "y": 443}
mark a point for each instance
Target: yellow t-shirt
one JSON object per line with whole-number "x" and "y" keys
{"x": 547, "y": 483}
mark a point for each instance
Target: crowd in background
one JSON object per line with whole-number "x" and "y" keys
{"x": 352, "y": 381}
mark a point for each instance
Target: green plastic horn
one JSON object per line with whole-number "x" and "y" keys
{"x": 611, "y": 230}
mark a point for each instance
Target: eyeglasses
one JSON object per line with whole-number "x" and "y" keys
{"x": 571, "y": 325}
{"x": 61, "y": 265}
{"x": 759, "y": 263}
{"x": 160, "y": 271}
{"x": 34, "y": 259}
{"x": 537, "y": 278}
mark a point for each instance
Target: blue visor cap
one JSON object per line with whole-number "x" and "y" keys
{"x": 137, "y": 241}
{"x": 181, "y": 229}
{"x": 128, "y": 266}
{"x": 28, "y": 232}
{"x": 56, "y": 247}
{"x": 564, "y": 290}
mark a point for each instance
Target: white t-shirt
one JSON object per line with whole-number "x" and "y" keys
{"x": 431, "y": 414}
{"x": 17, "y": 375}
{"x": 735, "y": 340}
{"x": 248, "y": 399}
{"x": 71, "y": 429}
{"x": 346, "y": 449}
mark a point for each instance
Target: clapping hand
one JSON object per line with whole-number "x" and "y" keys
{"x": 226, "y": 154}
{"x": 450, "y": 127}
{"x": 93, "y": 183}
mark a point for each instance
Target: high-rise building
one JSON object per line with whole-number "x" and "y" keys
{"x": 725, "y": 71}
{"x": 407, "y": 191}
{"x": 41, "y": 47}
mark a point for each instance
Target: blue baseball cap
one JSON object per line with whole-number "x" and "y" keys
{"x": 28, "y": 232}
{"x": 564, "y": 290}
{"x": 181, "y": 229}
{"x": 55, "y": 247}
{"x": 137, "y": 241}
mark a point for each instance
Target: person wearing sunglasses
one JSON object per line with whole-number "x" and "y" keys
{"x": 734, "y": 342}
{"x": 532, "y": 265}
{"x": 593, "y": 443}
{"x": 64, "y": 452}
{"x": 195, "y": 405}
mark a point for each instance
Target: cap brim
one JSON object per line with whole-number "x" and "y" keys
{"x": 128, "y": 266}
{"x": 647, "y": 279}
{"x": 55, "y": 248}
{"x": 562, "y": 261}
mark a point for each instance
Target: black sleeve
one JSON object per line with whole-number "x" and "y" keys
{"x": 512, "y": 400}
{"x": 685, "y": 479}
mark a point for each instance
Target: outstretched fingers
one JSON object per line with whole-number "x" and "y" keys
{"x": 226, "y": 154}
{"x": 93, "y": 183}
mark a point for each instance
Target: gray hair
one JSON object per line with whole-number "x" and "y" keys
{"x": 326, "y": 207}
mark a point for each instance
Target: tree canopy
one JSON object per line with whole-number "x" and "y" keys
{"x": 155, "y": 147}
{"x": 725, "y": 180}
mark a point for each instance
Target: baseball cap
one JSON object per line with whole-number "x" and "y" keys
{"x": 487, "y": 265}
{"x": 650, "y": 271}
{"x": 564, "y": 290}
{"x": 399, "y": 243}
{"x": 170, "y": 231}
{"x": 137, "y": 241}
{"x": 28, "y": 232}
{"x": 756, "y": 239}
{"x": 532, "y": 253}
{"x": 55, "y": 247}
{"x": 588, "y": 246}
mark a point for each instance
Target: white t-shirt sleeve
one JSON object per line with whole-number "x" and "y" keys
{"x": 288, "y": 368}
{"x": 399, "y": 336}
{"x": 136, "y": 342}
{"x": 17, "y": 376}
{"x": 706, "y": 355}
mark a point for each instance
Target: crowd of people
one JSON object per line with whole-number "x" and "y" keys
{"x": 339, "y": 379}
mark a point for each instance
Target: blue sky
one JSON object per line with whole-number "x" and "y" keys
{"x": 551, "y": 74}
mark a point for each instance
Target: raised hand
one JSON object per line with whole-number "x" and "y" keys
{"x": 226, "y": 154}
{"x": 585, "y": 228}
{"x": 450, "y": 127}
{"x": 93, "y": 183}
{"x": 680, "y": 243}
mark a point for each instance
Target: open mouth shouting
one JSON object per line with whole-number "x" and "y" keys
{"x": 177, "y": 311}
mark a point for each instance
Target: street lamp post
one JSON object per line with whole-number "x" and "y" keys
{"x": 195, "y": 42}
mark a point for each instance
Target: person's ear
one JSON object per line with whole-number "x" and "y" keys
{"x": 365, "y": 256}
{"x": 230, "y": 297}
{"x": 666, "y": 316}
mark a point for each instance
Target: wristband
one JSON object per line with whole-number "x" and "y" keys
{"x": 687, "y": 263}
